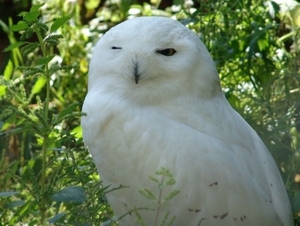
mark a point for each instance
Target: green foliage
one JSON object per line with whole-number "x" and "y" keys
{"x": 44, "y": 148}
{"x": 47, "y": 176}
{"x": 163, "y": 179}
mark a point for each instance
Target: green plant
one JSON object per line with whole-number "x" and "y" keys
{"x": 163, "y": 178}
{"x": 44, "y": 179}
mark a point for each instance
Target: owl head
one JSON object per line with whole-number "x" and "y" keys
{"x": 149, "y": 59}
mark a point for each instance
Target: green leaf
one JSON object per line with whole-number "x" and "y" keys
{"x": 54, "y": 68}
{"x": 8, "y": 70}
{"x": 73, "y": 194}
{"x": 77, "y": 132}
{"x": 29, "y": 48}
{"x": 15, "y": 204}
{"x": 148, "y": 194}
{"x": 36, "y": 70}
{"x": 24, "y": 210}
{"x": 44, "y": 60}
{"x": 154, "y": 179}
{"x": 56, "y": 218}
{"x": 262, "y": 44}
{"x": 42, "y": 27}
{"x": 178, "y": 2}
{"x": 296, "y": 203}
{"x": 37, "y": 222}
{"x": 37, "y": 166}
{"x": 4, "y": 27}
{"x": 171, "y": 195}
{"x": 13, "y": 46}
{"x": 36, "y": 7}
{"x": 31, "y": 16}
{"x": 71, "y": 108}
{"x": 53, "y": 39}
{"x": 139, "y": 218}
{"x": 91, "y": 4}
{"x": 21, "y": 25}
{"x": 39, "y": 84}
{"x": 59, "y": 22}
{"x": 8, "y": 193}
{"x": 171, "y": 181}
{"x": 28, "y": 33}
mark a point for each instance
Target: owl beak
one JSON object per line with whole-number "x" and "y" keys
{"x": 136, "y": 73}
{"x": 136, "y": 78}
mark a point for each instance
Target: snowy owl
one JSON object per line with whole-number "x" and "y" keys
{"x": 154, "y": 100}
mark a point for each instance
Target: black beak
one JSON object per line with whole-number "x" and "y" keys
{"x": 136, "y": 73}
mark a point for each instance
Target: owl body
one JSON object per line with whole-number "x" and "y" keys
{"x": 154, "y": 101}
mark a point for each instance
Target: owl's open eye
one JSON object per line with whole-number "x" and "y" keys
{"x": 116, "y": 47}
{"x": 167, "y": 52}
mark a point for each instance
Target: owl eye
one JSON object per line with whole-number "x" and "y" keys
{"x": 167, "y": 52}
{"x": 115, "y": 47}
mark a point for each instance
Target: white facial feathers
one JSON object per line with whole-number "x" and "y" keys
{"x": 141, "y": 53}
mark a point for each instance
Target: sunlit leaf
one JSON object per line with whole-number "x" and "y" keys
{"x": 59, "y": 22}
{"x": 8, "y": 70}
{"x": 77, "y": 132}
{"x": 262, "y": 44}
{"x": 39, "y": 84}
{"x": 2, "y": 90}
{"x": 91, "y": 4}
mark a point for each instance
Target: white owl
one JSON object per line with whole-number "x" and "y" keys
{"x": 154, "y": 100}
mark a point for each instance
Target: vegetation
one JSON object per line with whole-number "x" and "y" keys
{"x": 46, "y": 174}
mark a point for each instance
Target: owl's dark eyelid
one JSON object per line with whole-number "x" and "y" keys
{"x": 167, "y": 52}
{"x": 116, "y": 47}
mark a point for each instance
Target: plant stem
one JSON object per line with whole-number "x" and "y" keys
{"x": 42, "y": 206}
{"x": 159, "y": 202}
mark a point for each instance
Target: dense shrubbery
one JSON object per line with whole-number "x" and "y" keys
{"x": 47, "y": 175}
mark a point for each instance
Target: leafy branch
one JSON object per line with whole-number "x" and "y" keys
{"x": 163, "y": 178}
{"x": 39, "y": 119}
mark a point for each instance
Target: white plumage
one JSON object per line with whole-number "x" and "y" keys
{"x": 154, "y": 100}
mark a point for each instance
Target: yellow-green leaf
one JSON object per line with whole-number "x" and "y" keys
{"x": 8, "y": 70}
{"x": 39, "y": 84}
{"x": 2, "y": 90}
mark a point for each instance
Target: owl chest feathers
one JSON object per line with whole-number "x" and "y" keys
{"x": 123, "y": 129}
{"x": 126, "y": 138}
